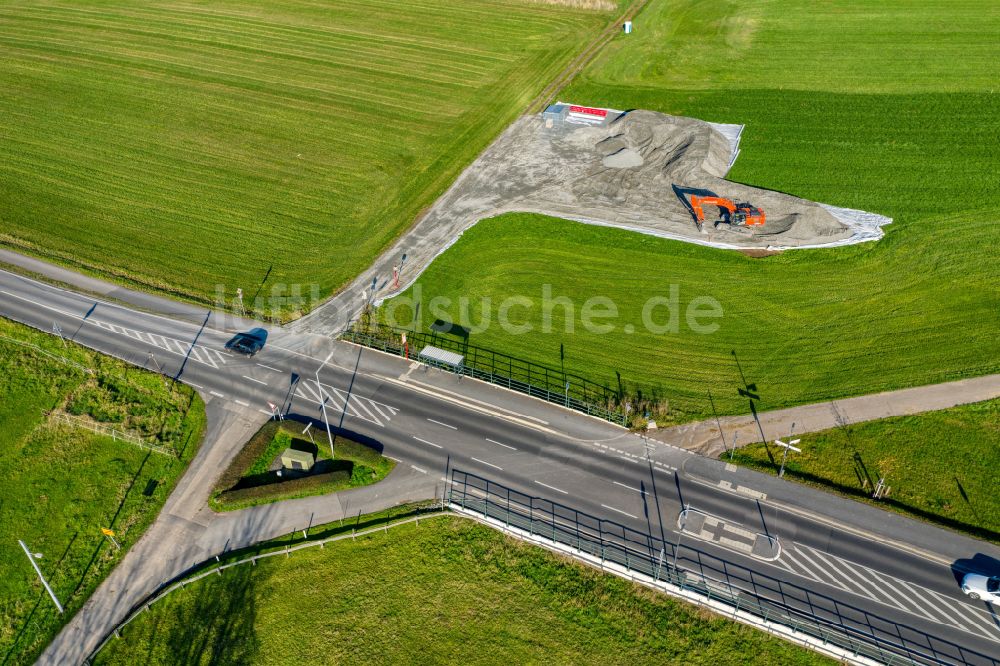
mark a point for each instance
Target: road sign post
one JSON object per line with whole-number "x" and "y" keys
{"x": 111, "y": 535}
{"x": 789, "y": 445}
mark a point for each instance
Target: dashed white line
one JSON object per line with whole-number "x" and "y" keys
{"x": 558, "y": 490}
{"x": 267, "y": 367}
{"x": 254, "y": 380}
{"x": 393, "y": 459}
{"x": 424, "y": 441}
{"x": 635, "y": 490}
{"x": 240, "y": 402}
{"x": 197, "y": 386}
{"x": 443, "y": 424}
{"x": 624, "y": 513}
{"x": 422, "y": 471}
{"x": 483, "y": 462}
{"x": 216, "y": 394}
{"x": 629, "y": 459}
{"x": 264, "y": 411}
{"x": 506, "y": 446}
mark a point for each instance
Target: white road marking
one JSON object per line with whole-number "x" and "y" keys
{"x": 635, "y": 490}
{"x": 633, "y": 460}
{"x": 437, "y": 446}
{"x": 306, "y": 387}
{"x": 254, "y": 380}
{"x": 264, "y": 411}
{"x": 267, "y": 367}
{"x": 240, "y": 402}
{"x": 483, "y": 462}
{"x": 422, "y": 471}
{"x": 443, "y": 424}
{"x": 558, "y": 490}
{"x": 197, "y": 386}
{"x": 506, "y": 446}
{"x": 624, "y": 513}
{"x": 217, "y": 394}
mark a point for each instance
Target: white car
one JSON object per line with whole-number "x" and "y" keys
{"x": 986, "y": 588}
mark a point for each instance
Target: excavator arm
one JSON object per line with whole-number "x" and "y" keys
{"x": 699, "y": 212}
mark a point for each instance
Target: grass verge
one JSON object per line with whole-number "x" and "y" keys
{"x": 61, "y": 483}
{"x": 940, "y": 466}
{"x": 446, "y": 590}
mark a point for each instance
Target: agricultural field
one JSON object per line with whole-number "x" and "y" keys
{"x": 60, "y": 483}
{"x": 445, "y": 589}
{"x": 195, "y": 148}
{"x": 940, "y": 466}
{"x": 862, "y": 105}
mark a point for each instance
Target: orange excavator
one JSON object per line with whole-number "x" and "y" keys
{"x": 736, "y": 214}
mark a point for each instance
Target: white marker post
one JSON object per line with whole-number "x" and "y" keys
{"x": 306, "y": 432}
{"x": 31, "y": 558}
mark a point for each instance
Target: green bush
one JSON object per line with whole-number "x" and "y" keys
{"x": 350, "y": 450}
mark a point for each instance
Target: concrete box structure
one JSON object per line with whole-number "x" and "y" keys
{"x": 297, "y": 460}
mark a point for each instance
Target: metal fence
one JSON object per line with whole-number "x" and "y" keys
{"x": 805, "y": 612}
{"x": 112, "y": 432}
{"x": 539, "y": 381}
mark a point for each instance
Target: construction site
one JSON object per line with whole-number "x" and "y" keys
{"x": 641, "y": 170}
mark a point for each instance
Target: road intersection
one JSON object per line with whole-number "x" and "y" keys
{"x": 874, "y": 572}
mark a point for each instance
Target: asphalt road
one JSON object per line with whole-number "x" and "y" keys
{"x": 873, "y": 572}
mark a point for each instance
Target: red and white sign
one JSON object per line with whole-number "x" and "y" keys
{"x": 589, "y": 111}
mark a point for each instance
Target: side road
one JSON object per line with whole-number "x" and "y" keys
{"x": 705, "y": 437}
{"x": 187, "y": 532}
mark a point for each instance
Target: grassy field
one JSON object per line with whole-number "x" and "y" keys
{"x": 60, "y": 484}
{"x": 855, "y": 104}
{"x": 248, "y": 480}
{"x": 443, "y": 591}
{"x": 183, "y": 145}
{"x": 941, "y": 466}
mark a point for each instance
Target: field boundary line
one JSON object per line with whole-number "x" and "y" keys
{"x": 583, "y": 59}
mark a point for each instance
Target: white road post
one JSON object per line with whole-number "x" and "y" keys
{"x": 31, "y": 558}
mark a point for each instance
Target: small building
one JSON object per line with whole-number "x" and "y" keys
{"x": 627, "y": 27}
{"x": 442, "y": 359}
{"x": 555, "y": 114}
{"x": 298, "y": 460}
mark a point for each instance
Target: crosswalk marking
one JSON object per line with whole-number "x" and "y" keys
{"x": 198, "y": 353}
{"x": 356, "y": 406}
{"x": 823, "y": 567}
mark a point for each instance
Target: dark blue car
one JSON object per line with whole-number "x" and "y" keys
{"x": 248, "y": 343}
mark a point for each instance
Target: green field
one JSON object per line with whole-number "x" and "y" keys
{"x": 60, "y": 484}
{"x": 443, "y": 591}
{"x": 940, "y": 466}
{"x": 184, "y": 145}
{"x": 864, "y": 105}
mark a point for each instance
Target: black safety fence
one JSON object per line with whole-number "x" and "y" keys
{"x": 805, "y": 612}
{"x": 539, "y": 381}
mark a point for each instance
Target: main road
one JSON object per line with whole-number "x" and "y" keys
{"x": 874, "y": 573}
